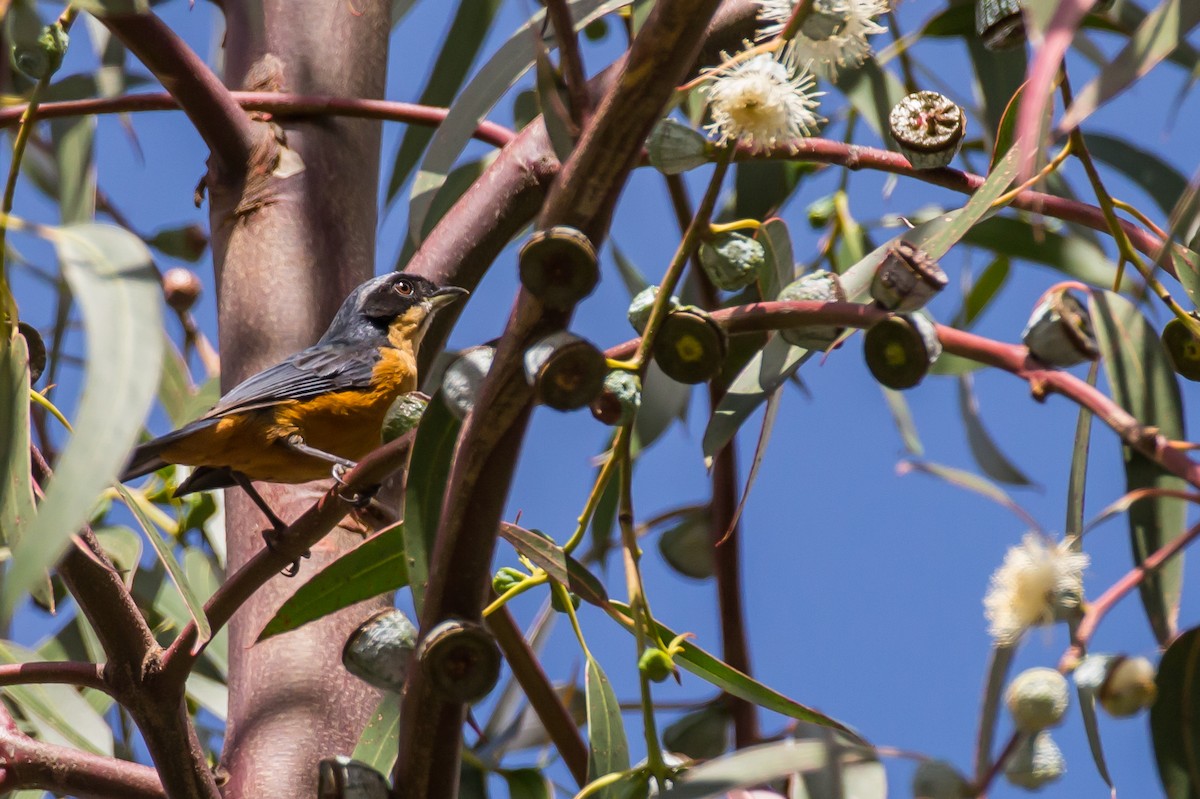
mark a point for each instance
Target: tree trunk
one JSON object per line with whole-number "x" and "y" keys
{"x": 287, "y": 251}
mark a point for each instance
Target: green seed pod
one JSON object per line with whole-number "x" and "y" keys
{"x": 463, "y": 378}
{"x": 1129, "y": 686}
{"x": 900, "y": 349}
{"x": 928, "y": 127}
{"x": 937, "y": 779}
{"x": 821, "y": 286}
{"x": 821, "y": 212}
{"x": 1000, "y": 23}
{"x": 1036, "y": 762}
{"x": 643, "y": 303}
{"x": 505, "y": 578}
{"x": 42, "y": 58}
{"x": 690, "y": 347}
{"x": 1183, "y": 348}
{"x": 656, "y": 664}
{"x": 342, "y": 778}
{"x": 566, "y": 371}
{"x": 732, "y": 260}
{"x": 906, "y": 279}
{"x": 379, "y": 651}
{"x": 620, "y": 399}
{"x": 557, "y": 604}
{"x": 461, "y": 660}
{"x": 1037, "y": 699}
{"x": 403, "y": 415}
{"x": 558, "y": 266}
{"x": 674, "y": 147}
{"x": 1059, "y": 331}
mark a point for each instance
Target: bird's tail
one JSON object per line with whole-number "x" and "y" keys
{"x": 147, "y": 457}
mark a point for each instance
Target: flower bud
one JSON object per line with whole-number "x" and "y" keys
{"x": 1183, "y": 348}
{"x": 1036, "y": 762}
{"x": 642, "y": 304}
{"x": 181, "y": 289}
{"x": 674, "y": 147}
{"x": 1037, "y": 699}
{"x": 186, "y": 243}
{"x": 1129, "y": 686}
{"x": 403, "y": 415}
{"x": 620, "y": 399}
{"x": 928, "y": 127}
{"x": 821, "y": 286}
{"x": 558, "y": 605}
{"x": 732, "y": 260}
{"x": 505, "y": 578}
{"x": 656, "y": 664}
{"x": 937, "y": 779}
{"x": 42, "y": 58}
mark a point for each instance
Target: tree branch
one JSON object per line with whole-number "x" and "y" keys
{"x": 570, "y": 60}
{"x": 83, "y": 675}
{"x": 225, "y": 128}
{"x": 33, "y": 764}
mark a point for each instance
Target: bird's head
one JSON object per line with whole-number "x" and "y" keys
{"x": 396, "y": 304}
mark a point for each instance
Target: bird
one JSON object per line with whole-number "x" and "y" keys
{"x": 317, "y": 411}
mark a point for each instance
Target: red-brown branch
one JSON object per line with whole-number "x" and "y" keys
{"x": 33, "y": 764}
{"x": 83, "y": 675}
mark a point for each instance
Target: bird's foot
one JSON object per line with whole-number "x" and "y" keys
{"x": 360, "y": 498}
{"x": 271, "y": 539}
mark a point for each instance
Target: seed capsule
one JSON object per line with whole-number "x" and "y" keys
{"x": 900, "y": 349}
{"x": 558, "y": 266}
{"x": 403, "y": 415}
{"x": 690, "y": 347}
{"x": 1059, "y": 331}
{"x": 928, "y": 127}
{"x": 1129, "y": 686}
{"x": 461, "y": 660}
{"x": 379, "y": 651}
{"x": 1037, "y": 699}
{"x": 464, "y": 377}
{"x": 620, "y": 399}
{"x": 36, "y": 349}
{"x": 566, "y": 371}
{"x": 731, "y": 260}
{"x": 906, "y": 279}
{"x": 1000, "y": 23}
{"x": 820, "y": 286}
{"x": 1183, "y": 348}
{"x": 342, "y": 778}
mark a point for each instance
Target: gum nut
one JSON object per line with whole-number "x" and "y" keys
{"x": 1037, "y": 698}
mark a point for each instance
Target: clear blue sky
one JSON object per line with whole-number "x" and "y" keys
{"x": 863, "y": 588}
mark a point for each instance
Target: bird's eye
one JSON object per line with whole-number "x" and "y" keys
{"x": 404, "y": 288}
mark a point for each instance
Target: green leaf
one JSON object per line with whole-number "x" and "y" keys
{"x": 663, "y": 401}
{"x": 1143, "y": 383}
{"x": 999, "y": 664}
{"x": 112, "y": 278}
{"x": 1160, "y": 180}
{"x": 729, "y": 679}
{"x": 1158, "y": 35}
{"x": 491, "y": 82}
{"x": 1091, "y": 725}
{"x": 72, "y": 141}
{"x": 761, "y": 187}
{"x": 202, "y": 576}
{"x": 631, "y": 276}
{"x": 162, "y": 548}
{"x": 987, "y": 453}
{"x": 1077, "y": 480}
{"x": 609, "y": 751}
{"x": 374, "y": 567}
{"x": 686, "y": 546}
{"x": 554, "y": 105}
{"x": 1175, "y": 717}
{"x": 780, "y": 264}
{"x": 701, "y": 734}
{"x": 561, "y": 567}
{"x": 428, "y": 472}
{"x": 472, "y": 21}
{"x": 753, "y": 766}
{"x": 58, "y": 712}
{"x": 982, "y": 292}
{"x": 902, "y": 416}
{"x": 528, "y": 783}
{"x": 1072, "y": 255}
{"x": 103, "y": 8}
{"x": 16, "y": 488}
{"x": 970, "y": 482}
{"x": 457, "y": 182}
{"x": 210, "y": 694}
{"x": 380, "y": 741}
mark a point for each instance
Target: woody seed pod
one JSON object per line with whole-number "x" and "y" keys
{"x": 732, "y": 260}
{"x": 1059, "y": 331}
{"x": 821, "y": 286}
{"x": 999, "y": 23}
{"x": 461, "y": 660}
{"x": 36, "y": 349}
{"x": 566, "y": 371}
{"x": 690, "y": 347}
{"x": 463, "y": 378}
{"x": 181, "y": 289}
{"x": 900, "y": 349}
{"x": 342, "y": 778}
{"x": 620, "y": 399}
{"x": 378, "y": 652}
{"x": 1183, "y": 348}
{"x": 674, "y": 147}
{"x": 558, "y": 266}
{"x": 906, "y": 279}
{"x": 928, "y": 127}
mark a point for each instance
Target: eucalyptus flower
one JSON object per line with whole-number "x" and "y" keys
{"x": 832, "y": 37}
{"x": 1038, "y": 583}
{"x": 761, "y": 102}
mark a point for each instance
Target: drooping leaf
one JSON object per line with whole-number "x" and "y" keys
{"x": 72, "y": 140}
{"x": 728, "y": 679}
{"x": 687, "y": 547}
{"x": 780, "y": 263}
{"x": 491, "y": 82}
{"x": 761, "y": 187}
{"x": 1160, "y": 180}
{"x": 380, "y": 740}
{"x": 429, "y": 469}
{"x": 374, "y": 567}
{"x": 112, "y": 278}
{"x": 210, "y": 694}
{"x": 982, "y": 292}
{"x": 1175, "y": 717}
{"x": 16, "y": 489}
{"x": 561, "y": 567}
{"x": 472, "y": 20}
{"x": 702, "y": 734}
{"x": 760, "y": 451}
{"x": 631, "y": 276}
{"x": 1077, "y": 480}
{"x": 971, "y": 482}
{"x": 754, "y": 766}
{"x": 1072, "y": 255}
{"x": 987, "y": 452}
{"x": 1087, "y": 711}
{"x": 554, "y": 105}
{"x": 1159, "y": 34}
{"x": 905, "y": 425}
{"x": 999, "y": 663}
{"x": 1143, "y": 383}
{"x": 608, "y": 749}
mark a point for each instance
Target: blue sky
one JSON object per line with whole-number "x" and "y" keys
{"x": 863, "y": 588}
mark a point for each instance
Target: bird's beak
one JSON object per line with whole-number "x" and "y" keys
{"x": 445, "y": 296}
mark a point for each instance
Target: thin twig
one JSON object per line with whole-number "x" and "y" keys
{"x": 570, "y": 58}
{"x": 83, "y": 675}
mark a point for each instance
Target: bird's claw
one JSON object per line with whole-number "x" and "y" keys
{"x": 359, "y": 499}
{"x": 270, "y": 538}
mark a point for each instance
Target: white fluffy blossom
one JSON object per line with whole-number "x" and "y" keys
{"x": 1037, "y": 581}
{"x": 761, "y": 102}
{"x": 833, "y": 37}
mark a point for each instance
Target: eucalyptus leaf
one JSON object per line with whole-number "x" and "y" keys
{"x": 987, "y": 452}
{"x": 1175, "y": 717}
{"x": 608, "y": 748}
{"x": 380, "y": 740}
{"x": 429, "y": 470}
{"x": 17, "y": 509}
{"x": 112, "y": 277}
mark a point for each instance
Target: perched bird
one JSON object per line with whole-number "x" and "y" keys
{"x": 317, "y": 410}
